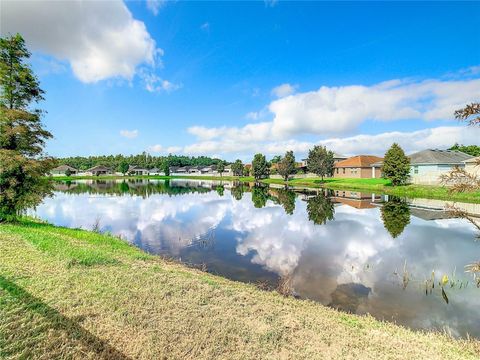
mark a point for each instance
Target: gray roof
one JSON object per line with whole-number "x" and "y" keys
{"x": 64, "y": 168}
{"x": 435, "y": 156}
{"x": 99, "y": 168}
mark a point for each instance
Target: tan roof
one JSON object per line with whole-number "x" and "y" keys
{"x": 359, "y": 161}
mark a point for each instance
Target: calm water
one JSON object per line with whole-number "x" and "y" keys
{"x": 361, "y": 253}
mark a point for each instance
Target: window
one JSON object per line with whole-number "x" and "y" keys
{"x": 415, "y": 169}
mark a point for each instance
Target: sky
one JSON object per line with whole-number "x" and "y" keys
{"x": 231, "y": 79}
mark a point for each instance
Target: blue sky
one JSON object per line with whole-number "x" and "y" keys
{"x": 234, "y": 78}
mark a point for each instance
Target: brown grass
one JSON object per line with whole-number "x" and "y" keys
{"x": 58, "y": 302}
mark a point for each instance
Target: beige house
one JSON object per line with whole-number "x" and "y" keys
{"x": 472, "y": 166}
{"x": 359, "y": 167}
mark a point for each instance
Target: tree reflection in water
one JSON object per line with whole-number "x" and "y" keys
{"x": 395, "y": 215}
{"x": 320, "y": 209}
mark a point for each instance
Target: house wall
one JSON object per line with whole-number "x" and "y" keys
{"x": 356, "y": 173}
{"x": 428, "y": 174}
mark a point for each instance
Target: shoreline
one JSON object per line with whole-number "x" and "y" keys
{"x": 369, "y": 185}
{"x": 72, "y": 293}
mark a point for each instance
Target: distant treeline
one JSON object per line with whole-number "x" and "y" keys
{"x": 143, "y": 160}
{"x": 473, "y": 150}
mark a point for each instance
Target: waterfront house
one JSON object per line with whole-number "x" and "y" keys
{"x": 62, "y": 169}
{"x": 359, "y": 167}
{"x": 156, "y": 171}
{"x": 472, "y": 166}
{"x": 138, "y": 171}
{"x": 427, "y": 166}
{"x": 98, "y": 170}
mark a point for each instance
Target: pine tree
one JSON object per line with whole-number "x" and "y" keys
{"x": 260, "y": 168}
{"x": 23, "y": 168}
{"x": 396, "y": 165}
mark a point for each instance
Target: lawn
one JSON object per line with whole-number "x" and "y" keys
{"x": 73, "y": 294}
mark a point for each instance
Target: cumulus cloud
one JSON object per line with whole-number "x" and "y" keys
{"x": 340, "y": 110}
{"x": 439, "y": 137}
{"x": 129, "y": 134}
{"x": 100, "y": 39}
{"x": 284, "y": 90}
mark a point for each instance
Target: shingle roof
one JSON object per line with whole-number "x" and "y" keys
{"x": 64, "y": 168}
{"x": 435, "y": 156}
{"x": 359, "y": 161}
{"x": 99, "y": 168}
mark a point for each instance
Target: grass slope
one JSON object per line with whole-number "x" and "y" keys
{"x": 73, "y": 294}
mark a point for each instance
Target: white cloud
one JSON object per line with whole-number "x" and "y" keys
{"x": 174, "y": 149}
{"x": 343, "y": 109}
{"x": 270, "y": 3}
{"x": 155, "y": 5}
{"x": 205, "y": 27}
{"x": 156, "y": 148}
{"x": 340, "y": 110}
{"x": 439, "y": 137}
{"x": 129, "y": 134}
{"x": 100, "y": 39}
{"x": 154, "y": 83}
{"x": 284, "y": 90}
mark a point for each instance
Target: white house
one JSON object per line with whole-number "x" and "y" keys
{"x": 427, "y": 166}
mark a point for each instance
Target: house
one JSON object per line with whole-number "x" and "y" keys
{"x": 427, "y": 166}
{"x": 156, "y": 171}
{"x": 472, "y": 166}
{"x": 62, "y": 170}
{"x": 178, "y": 170}
{"x": 98, "y": 170}
{"x": 138, "y": 171}
{"x": 359, "y": 166}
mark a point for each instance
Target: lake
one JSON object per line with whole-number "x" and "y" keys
{"x": 399, "y": 260}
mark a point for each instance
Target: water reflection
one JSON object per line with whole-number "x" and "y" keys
{"x": 358, "y": 252}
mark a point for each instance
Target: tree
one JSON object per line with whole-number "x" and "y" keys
{"x": 286, "y": 166}
{"x": 68, "y": 172}
{"x": 246, "y": 171}
{"x": 276, "y": 159}
{"x": 23, "y": 168}
{"x": 220, "y": 167}
{"x": 237, "y": 168}
{"x": 395, "y": 215}
{"x": 473, "y": 150}
{"x": 123, "y": 167}
{"x": 320, "y": 161}
{"x": 237, "y": 192}
{"x": 166, "y": 168}
{"x": 396, "y": 165}
{"x": 286, "y": 198}
{"x": 260, "y": 168}
{"x": 320, "y": 209}
{"x": 259, "y": 196}
{"x": 220, "y": 190}
{"x": 470, "y": 113}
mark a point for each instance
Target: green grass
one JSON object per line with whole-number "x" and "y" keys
{"x": 74, "y": 294}
{"x": 367, "y": 185}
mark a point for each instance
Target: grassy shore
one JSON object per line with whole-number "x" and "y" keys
{"x": 367, "y": 185}
{"x": 73, "y": 294}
